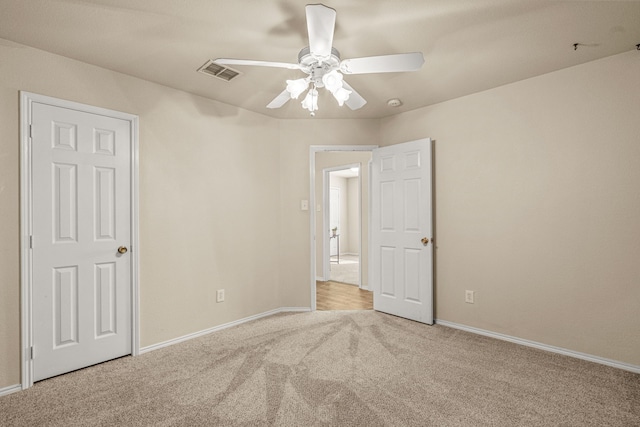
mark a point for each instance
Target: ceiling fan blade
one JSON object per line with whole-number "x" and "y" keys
{"x": 383, "y": 64}
{"x": 230, "y": 61}
{"x": 321, "y": 21}
{"x": 355, "y": 101}
{"x": 280, "y": 100}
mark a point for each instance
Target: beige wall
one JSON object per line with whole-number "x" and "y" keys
{"x": 296, "y": 136}
{"x": 198, "y": 232}
{"x": 329, "y": 159}
{"x": 537, "y": 206}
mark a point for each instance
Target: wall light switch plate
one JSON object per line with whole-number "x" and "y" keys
{"x": 304, "y": 205}
{"x": 469, "y": 296}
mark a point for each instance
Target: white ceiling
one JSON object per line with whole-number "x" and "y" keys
{"x": 345, "y": 173}
{"x": 468, "y": 45}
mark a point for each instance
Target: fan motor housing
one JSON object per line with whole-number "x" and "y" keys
{"x": 316, "y": 67}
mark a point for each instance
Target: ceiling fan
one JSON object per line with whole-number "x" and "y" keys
{"x": 324, "y": 68}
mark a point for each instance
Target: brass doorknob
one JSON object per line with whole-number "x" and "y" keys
{"x": 424, "y": 240}
{"x": 122, "y": 249}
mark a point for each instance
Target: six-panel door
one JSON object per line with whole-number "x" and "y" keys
{"x": 81, "y": 215}
{"x": 401, "y": 218}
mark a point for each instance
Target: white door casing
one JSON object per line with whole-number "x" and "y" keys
{"x": 82, "y": 304}
{"x": 312, "y": 212}
{"x": 401, "y": 217}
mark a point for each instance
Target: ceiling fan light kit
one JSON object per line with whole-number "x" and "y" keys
{"x": 321, "y": 62}
{"x": 332, "y": 81}
{"x": 310, "y": 102}
{"x": 296, "y": 87}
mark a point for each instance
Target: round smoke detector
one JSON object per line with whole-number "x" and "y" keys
{"x": 395, "y": 102}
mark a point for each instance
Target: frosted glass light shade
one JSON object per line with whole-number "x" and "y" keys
{"x": 341, "y": 95}
{"x": 332, "y": 81}
{"x": 310, "y": 102}
{"x": 296, "y": 87}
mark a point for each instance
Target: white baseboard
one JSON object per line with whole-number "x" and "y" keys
{"x": 221, "y": 327}
{"x": 294, "y": 309}
{"x": 10, "y": 389}
{"x": 541, "y": 346}
{"x": 320, "y": 279}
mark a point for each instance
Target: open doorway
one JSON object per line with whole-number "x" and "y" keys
{"x": 399, "y": 226}
{"x": 341, "y": 197}
{"x": 342, "y": 218}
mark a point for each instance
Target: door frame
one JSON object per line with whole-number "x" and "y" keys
{"x": 313, "y": 149}
{"x": 26, "y": 223}
{"x": 326, "y": 258}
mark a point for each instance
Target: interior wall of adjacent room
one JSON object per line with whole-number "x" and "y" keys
{"x": 353, "y": 215}
{"x": 296, "y": 137}
{"x": 197, "y": 232}
{"x": 537, "y": 206}
{"x": 340, "y": 183}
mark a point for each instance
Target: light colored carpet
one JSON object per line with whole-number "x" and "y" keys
{"x": 334, "y": 368}
{"x": 347, "y": 271}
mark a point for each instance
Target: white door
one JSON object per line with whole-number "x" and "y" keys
{"x": 401, "y": 235}
{"x": 81, "y": 215}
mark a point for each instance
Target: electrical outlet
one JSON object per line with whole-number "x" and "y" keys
{"x": 220, "y": 295}
{"x": 469, "y": 296}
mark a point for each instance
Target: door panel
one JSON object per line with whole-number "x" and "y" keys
{"x": 412, "y": 275}
{"x": 105, "y": 291}
{"x": 387, "y": 202}
{"x": 81, "y": 214}
{"x": 411, "y": 208}
{"x": 65, "y": 307}
{"x": 387, "y": 271}
{"x": 105, "y": 208}
{"x": 401, "y": 216}
{"x": 65, "y": 199}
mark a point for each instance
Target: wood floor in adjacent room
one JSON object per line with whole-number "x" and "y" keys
{"x": 339, "y": 296}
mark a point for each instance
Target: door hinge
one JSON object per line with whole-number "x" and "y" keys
{"x": 30, "y": 242}
{"x": 31, "y": 352}
{"x": 30, "y": 131}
